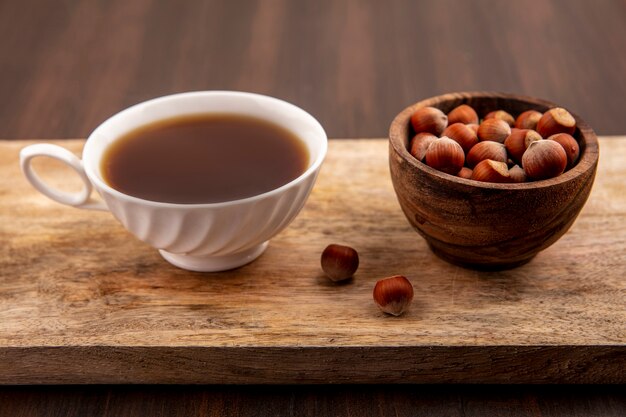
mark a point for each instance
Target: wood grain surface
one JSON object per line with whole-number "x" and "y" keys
{"x": 306, "y": 400}
{"x": 65, "y": 66}
{"x": 82, "y": 301}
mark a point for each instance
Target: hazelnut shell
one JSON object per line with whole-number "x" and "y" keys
{"x": 430, "y": 120}
{"x": 517, "y": 174}
{"x": 570, "y": 146}
{"x": 465, "y": 172}
{"x": 462, "y": 114}
{"x": 420, "y": 143}
{"x": 556, "y": 120}
{"x": 491, "y": 171}
{"x": 528, "y": 119}
{"x": 501, "y": 115}
{"x": 494, "y": 129}
{"x": 462, "y": 134}
{"x": 544, "y": 159}
{"x": 517, "y": 142}
{"x": 339, "y": 262}
{"x": 486, "y": 150}
{"x": 393, "y": 295}
{"x": 445, "y": 155}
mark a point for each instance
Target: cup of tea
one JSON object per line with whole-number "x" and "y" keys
{"x": 205, "y": 177}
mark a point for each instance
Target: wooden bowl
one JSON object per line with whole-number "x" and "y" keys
{"x": 488, "y": 225}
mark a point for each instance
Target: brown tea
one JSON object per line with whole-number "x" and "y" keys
{"x": 205, "y": 158}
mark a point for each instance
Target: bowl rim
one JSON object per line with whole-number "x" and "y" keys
{"x": 398, "y": 132}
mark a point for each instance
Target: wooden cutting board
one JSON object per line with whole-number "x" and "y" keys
{"x": 83, "y": 301}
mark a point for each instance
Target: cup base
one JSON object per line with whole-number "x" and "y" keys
{"x": 214, "y": 263}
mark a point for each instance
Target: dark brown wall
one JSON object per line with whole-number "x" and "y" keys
{"x": 67, "y": 65}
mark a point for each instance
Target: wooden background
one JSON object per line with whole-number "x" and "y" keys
{"x": 66, "y": 65}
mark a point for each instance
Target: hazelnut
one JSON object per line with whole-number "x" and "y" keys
{"x": 518, "y": 141}
{"x": 569, "y": 144}
{"x": 528, "y": 119}
{"x": 339, "y": 262}
{"x": 517, "y": 174}
{"x": 500, "y": 115}
{"x": 474, "y": 127}
{"x": 446, "y": 155}
{"x": 494, "y": 129}
{"x": 420, "y": 143}
{"x": 486, "y": 150}
{"x": 465, "y": 172}
{"x": 394, "y": 294}
{"x": 430, "y": 120}
{"x": 491, "y": 171}
{"x": 556, "y": 120}
{"x": 462, "y": 134}
{"x": 463, "y": 114}
{"x": 544, "y": 159}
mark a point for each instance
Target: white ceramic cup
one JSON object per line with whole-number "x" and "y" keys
{"x": 198, "y": 237}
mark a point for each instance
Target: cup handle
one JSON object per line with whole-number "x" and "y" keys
{"x": 79, "y": 199}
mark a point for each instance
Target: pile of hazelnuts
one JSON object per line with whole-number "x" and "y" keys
{"x": 502, "y": 149}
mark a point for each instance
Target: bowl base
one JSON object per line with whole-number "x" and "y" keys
{"x": 480, "y": 266}
{"x": 214, "y": 263}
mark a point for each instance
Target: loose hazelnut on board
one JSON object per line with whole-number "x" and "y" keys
{"x": 462, "y": 134}
{"x": 465, "y": 172}
{"x": 463, "y": 114}
{"x": 486, "y": 150}
{"x": 445, "y": 155}
{"x": 518, "y": 141}
{"x": 491, "y": 171}
{"x": 420, "y": 143}
{"x": 494, "y": 129}
{"x": 556, "y": 120}
{"x": 393, "y": 295}
{"x": 501, "y": 115}
{"x": 517, "y": 174}
{"x": 339, "y": 262}
{"x": 569, "y": 144}
{"x": 429, "y": 119}
{"x": 544, "y": 159}
{"x": 528, "y": 119}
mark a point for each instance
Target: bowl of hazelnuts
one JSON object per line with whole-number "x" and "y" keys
{"x": 491, "y": 179}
